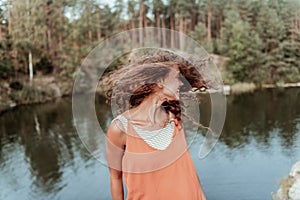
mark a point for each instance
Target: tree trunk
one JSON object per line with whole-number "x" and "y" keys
{"x": 60, "y": 42}
{"x": 132, "y": 26}
{"x": 193, "y": 20}
{"x": 163, "y": 24}
{"x": 49, "y": 38}
{"x": 157, "y": 24}
{"x": 172, "y": 26}
{"x": 141, "y": 21}
{"x": 99, "y": 26}
{"x": 1, "y": 33}
{"x": 209, "y": 17}
{"x": 157, "y": 18}
{"x": 9, "y": 17}
{"x": 181, "y": 23}
{"x": 181, "y": 30}
{"x": 144, "y": 17}
{"x": 30, "y": 66}
{"x": 219, "y": 26}
{"x": 90, "y": 35}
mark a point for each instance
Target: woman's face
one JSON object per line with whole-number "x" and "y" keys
{"x": 171, "y": 84}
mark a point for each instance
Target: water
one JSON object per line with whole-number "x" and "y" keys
{"x": 41, "y": 156}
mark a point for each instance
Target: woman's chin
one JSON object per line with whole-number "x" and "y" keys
{"x": 172, "y": 96}
{"x": 175, "y": 97}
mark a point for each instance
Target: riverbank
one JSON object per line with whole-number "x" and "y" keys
{"x": 48, "y": 88}
{"x": 42, "y": 89}
{"x": 249, "y": 87}
{"x": 290, "y": 185}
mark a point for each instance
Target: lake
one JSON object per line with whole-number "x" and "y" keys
{"x": 42, "y": 157}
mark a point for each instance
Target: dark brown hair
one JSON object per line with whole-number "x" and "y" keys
{"x": 137, "y": 79}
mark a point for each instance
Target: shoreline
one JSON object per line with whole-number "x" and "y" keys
{"x": 227, "y": 89}
{"x": 249, "y": 87}
{"x": 42, "y": 89}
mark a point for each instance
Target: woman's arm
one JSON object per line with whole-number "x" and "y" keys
{"x": 116, "y": 185}
{"x": 115, "y": 146}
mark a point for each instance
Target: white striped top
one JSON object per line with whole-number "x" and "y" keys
{"x": 159, "y": 139}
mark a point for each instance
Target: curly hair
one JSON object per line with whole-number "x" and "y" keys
{"x": 137, "y": 79}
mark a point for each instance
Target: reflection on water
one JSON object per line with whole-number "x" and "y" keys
{"x": 41, "y": 156}
{"x": 258, "y": 115}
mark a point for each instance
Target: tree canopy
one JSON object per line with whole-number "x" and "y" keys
{"x": 260, "y": 38}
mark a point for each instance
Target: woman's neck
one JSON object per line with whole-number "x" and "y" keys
{"x": 150, "y": 111}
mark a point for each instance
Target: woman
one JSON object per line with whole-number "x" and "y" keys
{"x": 145, "y": 142}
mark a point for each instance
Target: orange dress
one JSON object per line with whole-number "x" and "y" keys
{"x": 152, "y": 174}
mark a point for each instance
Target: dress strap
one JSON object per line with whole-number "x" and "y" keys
{"x": 124, "y": 122}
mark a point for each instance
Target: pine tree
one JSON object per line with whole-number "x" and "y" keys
{"x": 271, "y": 30}
{"x": 242, "y": 45}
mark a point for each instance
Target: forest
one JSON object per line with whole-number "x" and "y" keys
{"x": 46, "y": 40}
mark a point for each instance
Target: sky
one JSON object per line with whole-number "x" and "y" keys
{"x": 109, "y": 2}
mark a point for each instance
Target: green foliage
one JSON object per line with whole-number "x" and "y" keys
{"x": 287, "y": 57}
{"x": 270, "y": 28}
{"x": 16, "y": 85}
{"x": 242, "y": 45}
{"x": 227, "y": 77}
{"x": 6, "y": 71}
{"x": 199, "y": 34}
{"x": 260, "y": 38}
{"x": 44, "y": 65}
{"x": 30, "y": 94}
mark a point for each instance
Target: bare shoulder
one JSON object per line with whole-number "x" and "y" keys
{"x": 116, "y": 133}
{"x": 116, "y": 138}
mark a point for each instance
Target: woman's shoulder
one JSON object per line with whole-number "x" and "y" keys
{"x": 120, "y": 121}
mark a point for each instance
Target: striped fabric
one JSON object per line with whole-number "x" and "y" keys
{"x": 159, "y": 139}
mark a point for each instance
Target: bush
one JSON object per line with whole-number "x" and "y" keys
{"x": 27, "y": 95}
{"x": 5, "y": 71}
{"x": 16, "y": 85}
{"x": 44, "y": 65}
